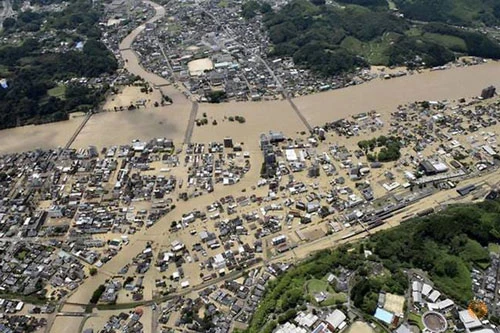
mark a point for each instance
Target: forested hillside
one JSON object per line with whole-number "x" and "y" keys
{"x": 446, "y": 245}
{"x": 335, "y": 39}
{"x": 34, "y": 66}
{"x": 456, "y": 12}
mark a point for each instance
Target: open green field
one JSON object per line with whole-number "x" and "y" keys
{"x": 374, "y": 51}
{"x": 361, "y": 327}
{"x": 315, "y": 286}
{"x": 493, "y": 247}
{"x": 377, "y": 50}
{"x": 222, "y": 4}
{"x": 416, "y": 319}
{"x": 58, "y": 92}
{"x": 452, "y": 42}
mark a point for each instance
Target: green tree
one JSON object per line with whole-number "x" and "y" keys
{"x": 92, "y": 271}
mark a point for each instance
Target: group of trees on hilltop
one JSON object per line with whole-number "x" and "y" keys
{"x": 79, "y": 15}
{"x": 477, "y": 44}
{"x": 251, "y": 8}
{"x": 456, "y": 12}
{"x": 31, "y": 72}
{"x": 314, "y": 33}
{"x": 446, "y": 245}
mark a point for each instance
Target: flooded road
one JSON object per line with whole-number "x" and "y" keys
{"x": 385, "y": 95}
{"x": 132, "y": 64}
{"x": 112, "y": 128}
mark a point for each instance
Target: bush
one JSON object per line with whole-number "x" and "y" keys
{"x": 97, "y": 294}
{"x": 390, "y": 149}
{"x": 216, "y": 96}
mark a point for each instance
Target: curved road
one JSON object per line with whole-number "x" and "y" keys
{"x": 156, "y": 233}
{"x": 132, "y": 64}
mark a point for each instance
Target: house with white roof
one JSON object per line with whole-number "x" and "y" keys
{"x": 469, "y": 319}
{"x": 426, "y": 290}
{"x": 336, "y": 319}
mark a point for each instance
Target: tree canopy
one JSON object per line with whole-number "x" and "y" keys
{"x": 33, "y": 68}
{"x": 332, "y": 40}
{"x": 456, "y": 12}
{"x": 446, "y": 245}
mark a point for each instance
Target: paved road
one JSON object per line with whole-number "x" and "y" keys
{"x": 162, "y": 49}
{"x": 191, "y": 122}
{"x": 155, "y": 317}
{"x": 78, "y": 130}
{"x": 277, "y": 80}
{"x": 194, "y": 107}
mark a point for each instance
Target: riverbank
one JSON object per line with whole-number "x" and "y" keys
{"x": 114, "y": 128}
{"x": 384, "y": 96}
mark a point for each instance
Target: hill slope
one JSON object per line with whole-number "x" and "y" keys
{"x": 332, "y": 39}
{"x": 456, "y": 12}
{"x": 446, "y": 245}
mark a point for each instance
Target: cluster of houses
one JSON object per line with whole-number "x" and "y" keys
{"x": 225, "y": 303}
{"x": 86, "y": 193}
{"x": 11, "y": 306}
{"x": 213, "y": 51}
{"x": 439, "y": 313}
{"x": 453, "y": 133}
{"x": 331, "y": 321}
{"x": 130, "y": 279}
{"x": 231, "y": 304}
{"x": 210, "y": 165}
{"x": 119, "y": 18}
{"x": 18, "y": 323}
{"x": 32, "y": 268}
{"x": 123, "y": 323}
{"x": 485, "y": 284}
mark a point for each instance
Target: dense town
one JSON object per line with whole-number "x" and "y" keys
{"x": 205, "y": 50}
{"x": 67, "y": 212}
{"x": 189, "y": 237}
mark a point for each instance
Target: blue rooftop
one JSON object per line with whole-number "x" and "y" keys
{"x": 383, "y": 315}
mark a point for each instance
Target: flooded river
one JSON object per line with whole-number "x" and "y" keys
{"x": 171, "y": 121}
